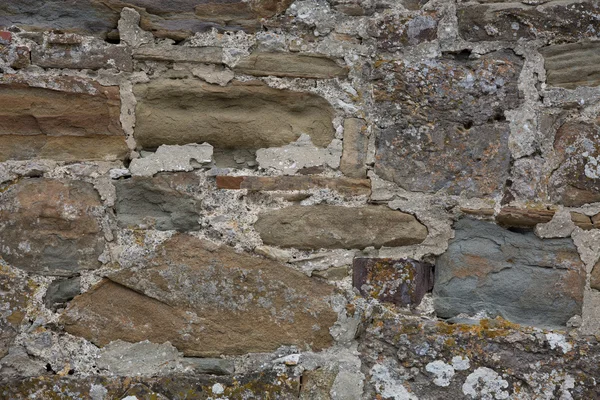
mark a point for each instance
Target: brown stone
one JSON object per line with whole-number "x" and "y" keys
{"x": 290, "y": 65}
{"x": 595, "y": 277}
{"x": 322, "y": 226}
{"x": 596, "y": 221}
{"x": 16, "y": 295}
{"x": 356, "y": 143}
{"x": 48, "y": 226}
{"x": 483, "y": 212}
{"x": 401, "y": 282}
{"x": 582, "y": 220}
{"x": 512, "y": 21}
{"x": 350, "y": 187}
{"x": 449, "y": 131}
{"x": 207, "y": 301}
{"x": 240, "y": 116}
{"x": 180, "y": 54}
{"x": 577, "y": 179}
{"x": 572, "y": 65}
{"x": 317, "y": 384}
{"x": 512, "y": 217}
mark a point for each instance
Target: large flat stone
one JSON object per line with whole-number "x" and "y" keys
{"x": 346, "y": 186}
{"x": 206, "y": 300}
{"x": 321, "y": 226}
{"x": 506, "y": 20}
{"x": 239, "y": 116}
{"x": 572, "y": 65}
{"x": 448, "y": 131}
{"x": 290, "y": 65}
{"x": 47, "y": 226}
{"x": 163, "y": 202}
{"x": 517, "y": 276}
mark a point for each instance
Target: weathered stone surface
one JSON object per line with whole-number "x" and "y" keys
{"x": 180, "y": 54}
{"x": 356, "y": 144}
{"x": 48, "y": 226}
{"x": 317, "y": 384}
{"x": 137, "y": 359}
{"x": 206, "y": 301}
{"x": 321, "y": 226}
{"x": 577, "y": 180}
{"x": 506, "y": 20}
{"x": 60, "y": 291}
{"x": 449, "y": 131}
{"x": 245, "y": 116}
{"x": 81, "y": 53}
{"x": 394, "y": 32}
{"x": 596, "y": 221}
{"x": 517, "y": 276}
{"x": 290, "y": 65}
{"x": 16, "y": 293}
{"x": 351, "y": 187}
{"x": 595, "y": 277}
{"x": 401, "y": 282}
{"x": 63, "y": 148}
{"x": 213, "y": 366}
{"x": 163, "y": 202}
{"x": 175, "y": 386}
{"x": 512, "y": 217}
{"x": 582, "y": 220}
{"x": 172, "y": 158}
{"x": 176, "y": 20}
{"x": 488, "y": 359}
{"x": 12, "y": 55}
{"x": 572, "y": 65}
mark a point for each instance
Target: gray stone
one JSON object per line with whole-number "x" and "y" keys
{"x": 164, "y": 202}
{"x": 60, "y": 291}
{"x": 331, "y": 227}
{"x": 180, "y": 54}
{"x": 130, "y": 32}
{"x": 290, "y": 65}
{"x": 517, "y": 276}
{"x": 355, "y": 147}
{"x": 572, "y": 65}
{"x": 443, "y": 122}
{"x": 172, "y": 158}
{"x": 239, "y": 116}
{"x": 395, "y": 32}
{"x": 138, "y": 359}
{"x": 213, "y": 366}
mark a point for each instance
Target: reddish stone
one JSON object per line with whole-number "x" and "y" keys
{"x": 5, "y": 37}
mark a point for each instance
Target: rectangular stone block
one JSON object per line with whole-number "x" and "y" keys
{"x": 572, "y": 65}
{"x": 402, "y": 282}
{"x": 290, "y": 65}
{"x": 210, "y": 55}
{"x": 350, "y": 187}
{"x": 356, "y": 144}
{"x": 512, "y": 217}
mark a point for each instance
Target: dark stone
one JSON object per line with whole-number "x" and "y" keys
{"x": 449, "y": 132}
{"x": 61, "y": 291}
{"x": 513, "y": 21}
{"x": 336, "y": 227}
{"x": 163, "y": 202}
{"x": 395, "y": 32}
{"x": 517, "y": 276}
{"x": 212, "y": 366}
{"x": 401, "y": 282}
{"x": 346, "y": 186}
{"x": 48, "y": 226}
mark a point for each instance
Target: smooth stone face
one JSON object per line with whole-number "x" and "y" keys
{"x": 513, "y": 21}
{"x": 355, "y": 150}
{"x": 290, "y": 65}
{"x": 60, "y": 291}
{"x": 331, "y": 227}
{"x": 240, "y": 116}
{"x": 450, "y": 132}
{"x": 206, "y": 301}
{"x": 517, "y": 276}
{"x": 163, "y": 202}
{"x": 143, "y": 358}
{"x": 48, "y": 226}
{"x": 572, "y": 65}
{"x": 577, "y": 180}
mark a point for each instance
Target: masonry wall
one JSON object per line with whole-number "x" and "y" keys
{"x": 343, "y": 199}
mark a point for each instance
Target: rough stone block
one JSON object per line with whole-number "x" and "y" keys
{"x": 572, "y": 65}
{"x": 163, "y": 202}
{"x": 595, "y": 277}
{"x": 240, "y": 116}
{"x": 60, "y": 291}
{"x": 290, "y": 65}
{"x": 395, "y": 32}
{"x": 48, "y": 226}
{"x": 512, "y": 217}
{"x": 206, "y": 301}
{"x": 330, "y": 227}
{"x": 180, "y": 54}
{"x": 401, "y": 282}
{"x": 449, "y": 131}
{"x": 350, "y": 187}
{"x": 517, "y": 276}
{"x": 356, "y": 144}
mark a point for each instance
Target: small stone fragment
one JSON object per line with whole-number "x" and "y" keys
{"x": 138, "y": 359}
{"x": 355, "y": 146}
{"x": 130, "y": 32}
{"x": 60, "y": 291}
{"x": 212, "y": 366}
{"x": 595, "y": 277}
{"x": 512, "y": 217}
{"x": 172, "y": 158}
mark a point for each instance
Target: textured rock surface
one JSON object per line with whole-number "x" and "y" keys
{"x": 350, "y": 187}
{"x": 356, "y": 145}
{"x": 572, "y": 65}
{"x": 395, "y": 32}
{"x": 292, "y": 65}
{"x": 238, "y": 116}
{"x": 313, "y": 227}
{"x": 48, "y": 226}
{"x": 450, "y": 131}
{"x": 172, "y": 158}
{"x": 180, "y": 54}
{"x": 516, "y": 276}
{"x": 163, "y": 202}
{"x": 60, "y": 291}
{"x": 16, "y": 295}
{"x": 225, "y": 302}
{"x": 402, "y": 282}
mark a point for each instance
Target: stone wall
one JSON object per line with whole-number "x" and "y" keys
{"x": 319, "y": 199}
